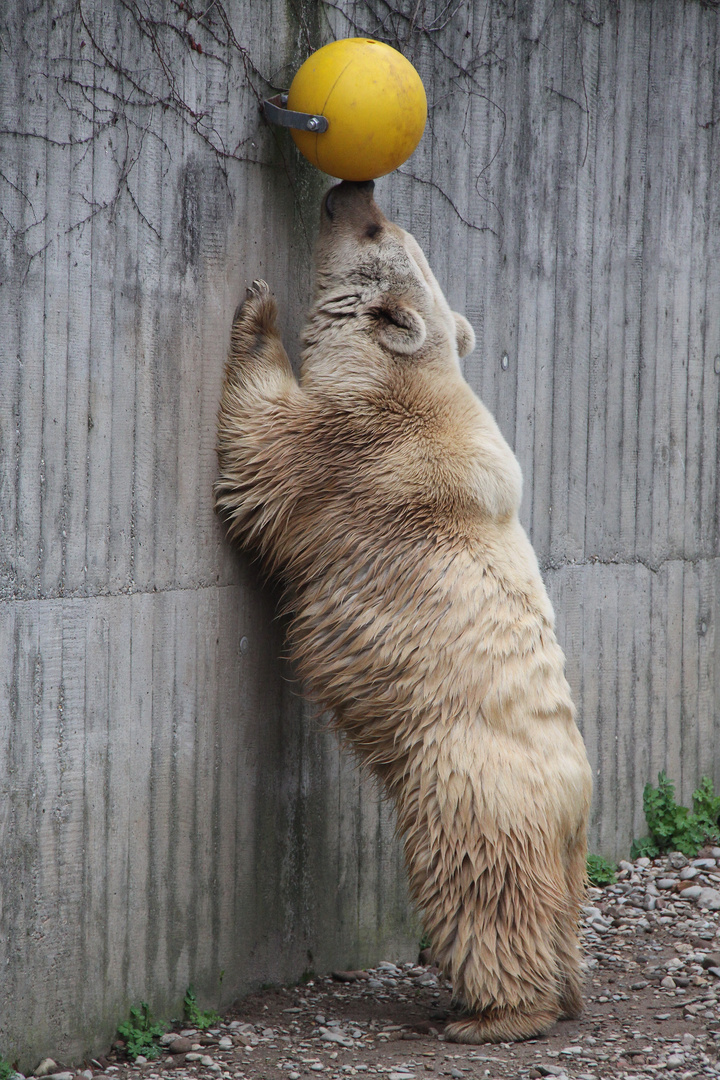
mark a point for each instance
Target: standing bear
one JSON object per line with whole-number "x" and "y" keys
{"x": 379, "y": 490}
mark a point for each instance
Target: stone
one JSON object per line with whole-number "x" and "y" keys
{"x": 709, "y": 899}
{"x": 334, "y": 1036}
{"x": 206, "y": 1060}
{"x": 665, "y": 882}
{"x": 676, "y": 860}
{"x": 46, "y": 1067}
{"x": 710, "y": 960}
{"x": 180, "y": 1045}
{"x": 705, "y": 864}
{"x": 225, "y": 1043}
{"x": 668, "y": 983}
{"x": 692, "y": 892}
{"x": 688, "y": 873}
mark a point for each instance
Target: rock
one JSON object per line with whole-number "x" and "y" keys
{"x": 714, "y": 971}
{"x": 349, "y": 976}
{"x": 688, "y": 872}
{"x": 709, "y": 899}
{"x": 665, "y": 882}
{"x": 676, "y": 860}
{"x": 293, "y": 1076}
{"x": 334, "y": 1036}
{"x": 225, "y": 1043}
{"x": 692, "y": 892}
{"x": 668, "y": 983}
{"x": 207, "y": 1061}
{"x": 180, "y": 1045}
{"x": 705, "y": 864}
{"x": 61, "y": 1076}
{"x": 710, "y": 960}
{"x": 46, "y": 1066}
{"x": 141, "y": 1060}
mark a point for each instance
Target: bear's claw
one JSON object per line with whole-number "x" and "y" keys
{"x": 257, "y": 310}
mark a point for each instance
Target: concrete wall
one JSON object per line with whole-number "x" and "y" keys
{"x": 168, "y": 813}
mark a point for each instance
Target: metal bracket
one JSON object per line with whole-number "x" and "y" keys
{"x": 276, "y": 112}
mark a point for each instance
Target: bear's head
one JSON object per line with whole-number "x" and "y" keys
{"x": 377, "y": 303}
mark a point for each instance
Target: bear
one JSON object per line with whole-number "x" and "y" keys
{"x": 378, "y": 489}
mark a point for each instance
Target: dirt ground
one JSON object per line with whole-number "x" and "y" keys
{"x": 652, "y": 989}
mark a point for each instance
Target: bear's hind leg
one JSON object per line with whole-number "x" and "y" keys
{"x": 503, "y": 1025}
{"x": 568, "y": 942}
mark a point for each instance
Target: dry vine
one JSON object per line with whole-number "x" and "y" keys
{"x": 126, "y": 78}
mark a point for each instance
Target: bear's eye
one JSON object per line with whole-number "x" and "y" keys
{"x": 373, "y": 230}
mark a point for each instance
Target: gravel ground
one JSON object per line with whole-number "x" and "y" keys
{"x": 652, "y": 950}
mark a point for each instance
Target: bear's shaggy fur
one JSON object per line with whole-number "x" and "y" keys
{"x": 380, "y": 490}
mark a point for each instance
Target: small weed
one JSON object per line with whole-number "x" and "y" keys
{"x": 140, "y": 1033}
{"x": 599, "y": 871}
{"x": 202, "y": 1020}
{"x": 424, "y": 943}
{"x": 673, "y": 827}
{"x": 6, "y": 1070}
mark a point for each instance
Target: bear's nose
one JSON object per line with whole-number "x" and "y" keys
{"x": 346, "y": 189}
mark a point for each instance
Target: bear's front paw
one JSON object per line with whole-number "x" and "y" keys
{"x": 257, "y": 311}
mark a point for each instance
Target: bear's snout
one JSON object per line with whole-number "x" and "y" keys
{"x": 347, "y": 193}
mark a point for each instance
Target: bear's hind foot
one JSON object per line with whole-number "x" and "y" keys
{"x": 501, "y": 1025}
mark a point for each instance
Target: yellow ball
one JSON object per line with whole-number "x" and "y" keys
{"x": 375, "y": 104}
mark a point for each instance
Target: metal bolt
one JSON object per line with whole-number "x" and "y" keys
{"x": 244, "y": 645}
{"x": 505, "y": 362}
{"x": 717, "y": 365}
{"x": 313, "y": 123}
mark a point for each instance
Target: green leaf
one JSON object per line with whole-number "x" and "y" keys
{"x": 600, "y": 872}
{"x": 201, "y": 1019}
{"x": 141, "y": 1032}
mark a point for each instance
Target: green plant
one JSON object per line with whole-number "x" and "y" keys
{"x": 141, "y": 1032}
{"x": 197, "y": 1017}
{"x": 599, "y": 871}
{"x": 673, "y": 827}
{"x": 6, "y": 1070}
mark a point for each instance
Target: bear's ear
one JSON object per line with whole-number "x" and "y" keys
{"x": 398, "y": 326}
{"x": 465, "y": 335}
